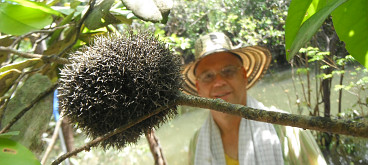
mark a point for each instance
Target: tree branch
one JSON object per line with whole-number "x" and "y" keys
{"x": 323, "y": 124}
{"x": 50, "y": 30}
{"x": 346, "y": 127}
{"x": 52, "y": 58}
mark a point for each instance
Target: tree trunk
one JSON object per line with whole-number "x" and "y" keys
{"x": 68, "y": 134}
{"x": 326, "y": 93}
{"x": 155, "y": 148}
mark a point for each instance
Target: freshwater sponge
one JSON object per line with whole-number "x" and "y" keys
{"x": 116, "y": 80}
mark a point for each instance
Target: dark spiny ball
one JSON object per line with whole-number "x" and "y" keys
{"x": 117, "y": 80}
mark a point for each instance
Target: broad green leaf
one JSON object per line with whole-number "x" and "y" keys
{"x": 7, "y": 80}
{"x": 12, "y": 152}
{"x": 309, "y": 28}
{"x": 15, "y": 22}
{"x": 33, "y": 123}
{"x": 37, "y": 5}
{"x": 351, "y": 24}
{"x": 101, "y": 16}
{"x": 9, "y": 134}
{"x": 20, "y": 65}
{"x": 296, "y": 13}
{"x": 314, "y": 7}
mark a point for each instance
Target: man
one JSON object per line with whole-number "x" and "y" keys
{"x": 220, "y": 71}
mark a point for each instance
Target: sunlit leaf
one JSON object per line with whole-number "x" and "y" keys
{"x": 12, "y": 153}
{"x": 351, "y": 25}
{"x": 20, "y": 65}
{"x": 9, "y": 134}
{"x": 17, "y": 23}
{"x": 307, "y": 29}
{"x": 296, "y": 13}
{"x": 37, "y": 5}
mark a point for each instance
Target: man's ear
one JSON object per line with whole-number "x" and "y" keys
{"x": 244, "y": 72}
{"x": 197, "y": 87}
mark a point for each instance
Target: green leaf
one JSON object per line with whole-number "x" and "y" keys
{"x": 33, "y": 123}
{"x": 308, "y": 28}
{"x": 125, "y": 16}
{"x": 37, "y": 5}
{"x": 15, "y": 22}
{"x": 7, "y": 80}
{"x": 351, "y": 24}
{"x": 9, "y": 134}
{"x": 294, "y": 20}
{"x": 12, "y": 152}
{"x": 101, "y": 16}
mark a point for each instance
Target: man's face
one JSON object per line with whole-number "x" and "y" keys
{"x": 229, "y": 88}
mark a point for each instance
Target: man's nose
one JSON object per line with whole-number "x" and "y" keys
{"x": 219, "y": 81}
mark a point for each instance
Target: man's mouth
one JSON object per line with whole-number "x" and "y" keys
{"x": 221, "y": 95}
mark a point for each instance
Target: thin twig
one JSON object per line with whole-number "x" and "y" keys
{"x": 293, "y": 81}
{"x": 308, "y": 82}
{"x": 340, "y": 90}
{"x": 50, "y": 30}
{"x": 28, "y": 107}
{"x": 52, "y": 58}
{"x": 53, "y": 140}
{"x": 330, "y": 64}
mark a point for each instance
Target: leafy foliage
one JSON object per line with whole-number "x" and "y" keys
{"x": 258, "y": 22}
{"x": 306, "y": 17}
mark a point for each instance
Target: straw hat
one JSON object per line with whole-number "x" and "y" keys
{"x": 256, "y": 59}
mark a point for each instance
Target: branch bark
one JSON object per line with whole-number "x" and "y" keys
{"x": 323, "y": 124}
{"x": 346, "y": 127}
{"x": 52, "y": 58}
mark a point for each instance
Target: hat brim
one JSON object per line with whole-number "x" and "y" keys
{"x": 256, "y": 60}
